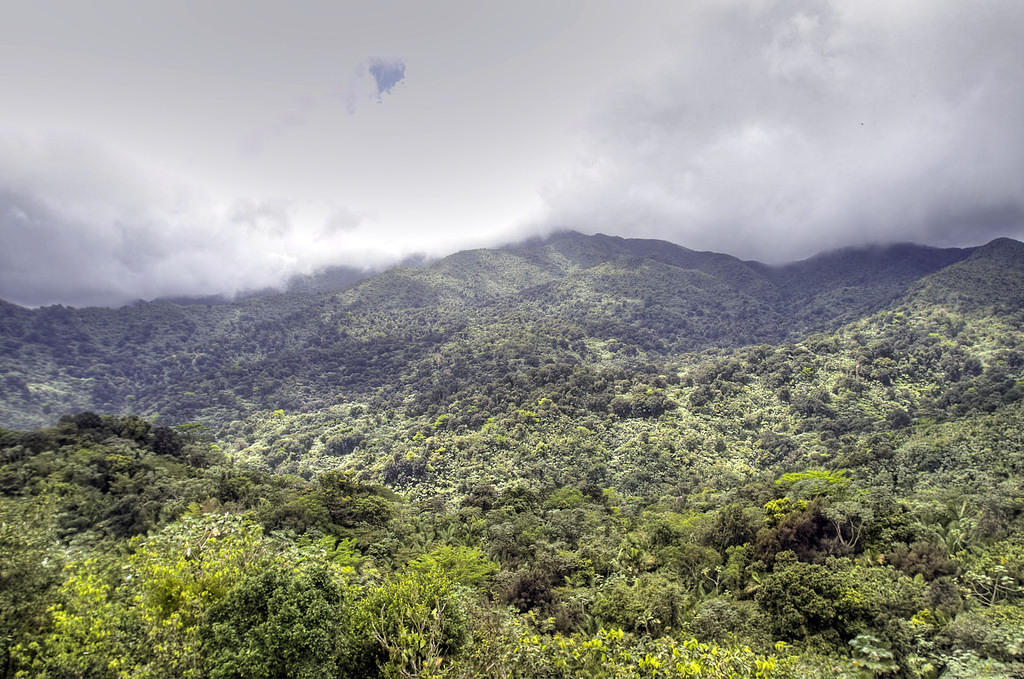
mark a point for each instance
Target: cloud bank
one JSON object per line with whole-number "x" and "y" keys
{"x": 82, "y": 226}
{"x": 779, "y": 129}
{"x": 771, "y": 129}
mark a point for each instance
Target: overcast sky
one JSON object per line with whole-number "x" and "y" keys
{"x": 166, "y": 148}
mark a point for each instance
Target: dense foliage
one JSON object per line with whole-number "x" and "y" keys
{"x": 424, "y": 331}
{"x": 578, "y": 457}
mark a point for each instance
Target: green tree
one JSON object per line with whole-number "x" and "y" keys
{"x": 409, "y": 625}
{"x": 281, "y": 622}
{"x": 142, "y": 616}
{"x": 466, "y": 566}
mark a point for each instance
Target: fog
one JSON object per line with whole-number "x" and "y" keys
{"x": 164, "y": 150}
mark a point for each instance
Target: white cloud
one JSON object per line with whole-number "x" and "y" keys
{"x": 770, "y": 129}
{"x": 83, "y": 226}
{"x": 784, "y": 128}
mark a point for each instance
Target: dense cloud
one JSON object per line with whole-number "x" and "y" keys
{"x": 83, "y": 227}
{"x": 783, "y": 128}
{"x": 133, "y": 168}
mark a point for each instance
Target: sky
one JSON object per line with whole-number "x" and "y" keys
{"x": 192, "y": 148}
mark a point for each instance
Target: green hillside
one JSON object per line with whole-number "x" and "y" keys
{"x": 580, "y": 456}
{"x": 218, "y": 362}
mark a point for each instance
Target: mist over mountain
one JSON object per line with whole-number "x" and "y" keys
{"x": 770, "y": 131}
{"x": 336, "y": 336}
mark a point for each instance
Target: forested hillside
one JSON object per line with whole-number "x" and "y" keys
{"x": 578, "y": 456}
{"x": 588, "y": 300}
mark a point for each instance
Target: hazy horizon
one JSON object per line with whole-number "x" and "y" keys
{"x": 354, "y": 275}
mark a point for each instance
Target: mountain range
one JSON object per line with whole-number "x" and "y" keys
{"x": 639, "y": 297}
{"x": 307, "y": 380}
{"x": 573, "y": 456}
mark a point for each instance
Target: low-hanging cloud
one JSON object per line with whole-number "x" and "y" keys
{"x": 784, "y": 128}
{"x": 768, "y": 129}
{"x": 82, "y": 226}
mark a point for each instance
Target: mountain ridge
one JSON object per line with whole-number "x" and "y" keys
{"x": 336, "y": 278}
{"x": 619, "y": 298}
